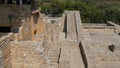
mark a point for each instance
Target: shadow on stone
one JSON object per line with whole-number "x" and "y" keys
{"x": 119, "y": 33}
{"x": 111, "y": 47}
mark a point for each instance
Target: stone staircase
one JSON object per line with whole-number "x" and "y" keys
{"x": 1, "y": 60}
{"x": 54, "y": 54}
{"x": 5, "y": 39}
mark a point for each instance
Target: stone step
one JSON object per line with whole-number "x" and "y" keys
{"x": 64, "y": 65}
{"x": 55, "y": 48}
{"x": 54, "y": 65}
{"x": 54, "y": 51}
{"x": 54, "y": 59}
{"x": 54, "y": 54}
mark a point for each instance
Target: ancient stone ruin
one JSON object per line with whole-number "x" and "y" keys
{"x": 33, "y": 40}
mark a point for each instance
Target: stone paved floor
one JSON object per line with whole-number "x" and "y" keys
{"x": 97, "y": 50}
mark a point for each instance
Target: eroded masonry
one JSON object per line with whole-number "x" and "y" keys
{"x": 32, "y": 40}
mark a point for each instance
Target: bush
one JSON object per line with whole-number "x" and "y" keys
{"x": 55, "y": 7}
{"x": 90, "y": 12}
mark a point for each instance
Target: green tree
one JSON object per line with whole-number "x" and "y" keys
{"x": 94, "y": 11}
{"x": 58, "y": 6}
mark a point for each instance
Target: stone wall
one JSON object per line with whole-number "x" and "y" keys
{"x": 26, "y": 32}
{"x": 99, "y": 30}
{"x": 32, "y": 27}
{"x": 5, "y": 59}
{"x": 117, "y": 27}
{"x": 23, "y": 55}
{"x": 40, "y": 25}
{"x": 13, "y": 15}
{"x": 18, "y": 12}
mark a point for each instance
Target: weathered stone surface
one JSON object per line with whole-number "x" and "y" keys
{"x": 96, "y": 48}
{"x": 117, "y": 27}
{"x": 66, "y": 43}
{"x": 26, "y": 55}
{"x": 27, "y": 32}
{"x": 18, "y": 12}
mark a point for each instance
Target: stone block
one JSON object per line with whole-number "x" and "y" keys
{"x": 20, "y": 55}
{"x": 16, "y": 37}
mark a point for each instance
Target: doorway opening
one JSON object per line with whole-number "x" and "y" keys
{"x": 5, "y": 29}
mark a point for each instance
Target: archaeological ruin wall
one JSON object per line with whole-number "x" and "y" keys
{"x": 24, "y": 24}
{"x": 12, "y": 15}
{"x": 45, "y": 42}
{"x": 98, "y": 28}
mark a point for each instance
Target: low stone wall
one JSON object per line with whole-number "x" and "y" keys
{"x": 117, "y": 27}
{"x": 4, "y": 50}
{"x": 79, "y": 27}
{"x": 99, "y": 30}
{"x": 1, "y": 60}
{"x": 7, "y": 56}
{"x": 4, "y": 39}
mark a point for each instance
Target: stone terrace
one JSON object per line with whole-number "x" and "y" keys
{"x": 96, "y": 46}
{"x": 62, "y": 42}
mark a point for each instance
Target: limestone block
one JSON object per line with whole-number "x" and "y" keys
{"x": 25, "y": 56}
{"x": 15, "y": 37}
{"x": 7, "y": 56}
{"x": 20, "y": 33}
{"x": 40, "y": 27}
{"x": 26, "y": 32}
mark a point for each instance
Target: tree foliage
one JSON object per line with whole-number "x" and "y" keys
{"x": 91, "y": 11}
